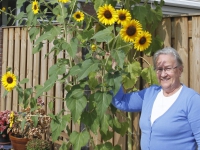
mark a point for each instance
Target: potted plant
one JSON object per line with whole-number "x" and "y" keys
{"x": 38, "y": 144}
{"x": 30, "y": 123}
{"x": 5, "y": 121}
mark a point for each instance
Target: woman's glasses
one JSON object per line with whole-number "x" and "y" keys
{"x": 166, "y": 70}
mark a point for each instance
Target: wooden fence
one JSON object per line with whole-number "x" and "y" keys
{"x": 180, "y": 32}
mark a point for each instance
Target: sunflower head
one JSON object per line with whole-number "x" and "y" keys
{"x": 142, "y": 41}
{"x": 63, "y": 1}
{"x": 78, "y": 16}
{"x": 35, "y": 7}
{"x": 107, "y": 14}
{"x": 123, "y": 16}
{"x": 9, "y": 81}
{"x": 130, "y": 30}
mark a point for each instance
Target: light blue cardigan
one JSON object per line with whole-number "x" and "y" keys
{"x": 176, "y": 129}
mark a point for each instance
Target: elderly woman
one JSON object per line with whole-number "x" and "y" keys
{"x": 170, "y": 113}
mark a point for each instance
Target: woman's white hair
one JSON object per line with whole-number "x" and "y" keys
{"x": 168, "y": 51}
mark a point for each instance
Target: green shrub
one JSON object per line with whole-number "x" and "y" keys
{"x": 38, "y": 144}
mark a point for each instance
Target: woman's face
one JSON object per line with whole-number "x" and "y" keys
{"x": 168, "y": 73}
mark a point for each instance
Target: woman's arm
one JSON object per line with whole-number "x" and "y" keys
{"x": 194, "y": 117}
{"x": 130, "y": 102}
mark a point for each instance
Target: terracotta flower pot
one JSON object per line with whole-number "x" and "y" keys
{"x": 18, "y": 143}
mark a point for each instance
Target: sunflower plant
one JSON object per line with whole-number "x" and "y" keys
{"x": 116, "y": 38}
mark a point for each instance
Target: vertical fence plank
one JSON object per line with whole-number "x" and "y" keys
{"x": 190, "y": 51}
{"x": 164, "y": 31}
{"x": 75, "y": 126}
{"x": 189, "y": 28}
{"x": 194, "y": 55}
{"x": 10, "y": 64}
{"x": 36, "y": 66}
{"x": 96, "y": 138}
{"x": 29, "y": 64}
{"x": 59, "y": 91}
{"x": 23, "y": 54}
{"x": 51, "y": 60}
{"x": 4, "y": 65}
{"x": 136, "y": 131}
{"x": 118, "y": 139}
{"x": 17, "y": 49}
{"x": 67, "y": 111}
{"x": 181, "y": 44}
{"x": 43, "y": 68}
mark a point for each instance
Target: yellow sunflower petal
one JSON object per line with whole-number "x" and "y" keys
{"x": 142, "y": 41}
{"x": 123, "y": 16}
{"x": 107, "y": 14}
{"x": 9, "y": 81}
{"x": 35, "y": 7}
{"x": 130, "y": 30}
{"x": 78, "y": 16}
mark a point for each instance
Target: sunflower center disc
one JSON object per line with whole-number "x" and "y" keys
{"x": 78, "y": 16}
{"x": 107, "y": 14}
{"x": 142, "y": 40}
{"x": 9, "y": 80}
{"x": 131, "y": 30}
{"x": 122, "y": 17}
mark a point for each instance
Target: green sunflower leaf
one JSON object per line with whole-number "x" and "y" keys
{"x": 103, "y": 100}
{"x": 79, "y": 139}
{"x": 107, "y": 146}
{"x": 20, "y": 3}
{"x": 76, "y": 106}
{"x": 104, "y": 121}
{"x": 47, "y": 85}
{"x": 25, "y": 80}
{"x": 58, "y": 124}
{"x": 140, "y": 13}
{"x": 103, "y": 36}
{"x": 118, "y": 56}
{"x": 87, "y": 67}
{"x": 91, "y": 120}
{"x": 149, "y": 75}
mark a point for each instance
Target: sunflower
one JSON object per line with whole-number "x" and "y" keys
{"x": 78, "y": 16}
{"x": 142, "y": 41}
{"x": 130, "y": 30}
{"x": 107, "y": 14}
{"x": 35, "y": 7}
{"x": 63, "y": 1}
{"x": 9, "y": 81}
{"x": 123, "y": 15}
